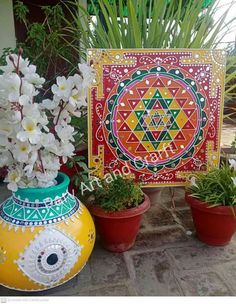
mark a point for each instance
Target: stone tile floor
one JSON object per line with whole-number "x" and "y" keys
{"x": 166, "y": 260}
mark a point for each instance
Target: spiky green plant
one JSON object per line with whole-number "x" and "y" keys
{"x": 216, "y": 187}
{"x": 153, "y": 24}
{"x": 148, "y": 24}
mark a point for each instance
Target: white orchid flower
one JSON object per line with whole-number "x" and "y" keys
{"x": 234, "y": 180}
{"x": 49, "y": 104}
{"x": 28, "y": 147}
{"x": 88, "y": 74}
{"x": 232, "y": 163}
{"x": 65, "y": 133}
{"x": 10, "y": 67}
{"x": 193, "y": 181}
{"x": 31, "y": 132}
{"x": 63, "y": 87}
{"x": 34, "y": 79}
{"x": 5, "y": 127}
{"x": 21, "y": 151}
{"x": 13, "y": 177}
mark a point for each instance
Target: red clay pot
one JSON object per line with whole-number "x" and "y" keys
{"x": 118, "y": 229}
{"x": 214, "y": 226}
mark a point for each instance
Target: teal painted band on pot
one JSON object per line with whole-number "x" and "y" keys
{"x": 42, "y": 193}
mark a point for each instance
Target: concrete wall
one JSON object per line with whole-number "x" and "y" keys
{"x": 7, "y": 30}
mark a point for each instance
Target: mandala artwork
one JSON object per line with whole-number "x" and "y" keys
{"x": 155, "y": 113}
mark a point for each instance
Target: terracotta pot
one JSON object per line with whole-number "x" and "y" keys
{"x": 214, "y": 226}
{"x": 118, "y": 229}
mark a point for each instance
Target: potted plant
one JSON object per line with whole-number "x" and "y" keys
{"x": 212, "y": 198}
{"x": 54, "y": 231}
{"x": 117, "y": 209}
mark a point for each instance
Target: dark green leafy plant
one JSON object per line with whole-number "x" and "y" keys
{"x": 217, "y": 187}
{"x": 120, "y": 194}
{"x": 47, "y": 44}
{"x": 79, "y": 164}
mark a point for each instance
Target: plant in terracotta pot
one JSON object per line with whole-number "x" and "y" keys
{"x": 212, "y": 198}
{"x": 117, "y": 209}
{"x": 54, "y": 231}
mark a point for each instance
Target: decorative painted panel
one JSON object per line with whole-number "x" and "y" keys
{"x": 155, "y": 113}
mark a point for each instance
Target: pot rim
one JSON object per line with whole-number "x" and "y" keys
{"x": 63, "y": 184}
{"x": 205, "y": 207}
{"x": 127, "y": 213}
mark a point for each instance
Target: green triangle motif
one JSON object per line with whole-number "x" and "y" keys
{"x": 138, "y": 127}
{"x": 139, "y": 114}
{"x": 8, "y": 203}
{"x": 9, "y": 209}
{"x": 51, "y": 214}
{"x": 146, "y": 102}
{"x": 167, "y": 137}
{"x": 163, "y": 103}
{"x": 35, "y": 216}
{"x": 157, "y": 94}
{"x": 150, "y": 136}
{"x": 174, "y": 113}
{"x": 65, "y": 208}
{"x": 174, "y": 126}
{"x": 151, "y": 104}
{"x": 145, "y": 138}
{"x": 16, "y": 209}
{"x": 28, "y": 213}
{"x": 20, "y": 214}
{"x": 155, "y": 144}
{"x": 57, "y": 209}
{"x": 168, "y": 101}
{"x": 43, "y": 212}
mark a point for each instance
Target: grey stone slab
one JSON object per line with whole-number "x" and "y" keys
{"x": 117, "y": 290}
{"x": 178, "y": 197}
{"x": 158, "y": 216}
{"x": 191, "y": 257}
{"x": 5, "y": 292}
{"x": 204, "y": 284}
{"x": 185, "y": 217}
{"x": 74, "y": 286}
{"x": 69, "y": 288}
{"x": 154, "y": 275}
{"x": 228, "y": 271}
{"x": 155, "y": 239}
{"x": 107, "y": 267}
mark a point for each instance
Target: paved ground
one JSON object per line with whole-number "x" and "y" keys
{"x": 166, "y": 260}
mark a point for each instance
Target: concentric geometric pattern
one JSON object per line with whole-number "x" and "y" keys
{"x": 158, "y": 113}
{"x": 49, "y": 257}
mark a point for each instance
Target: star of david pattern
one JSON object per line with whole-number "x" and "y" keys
{"x": 155, "y": 114}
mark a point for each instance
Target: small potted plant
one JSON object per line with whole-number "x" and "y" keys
{"x": 212, "y": 198}
{"x": 117, "y": 209}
